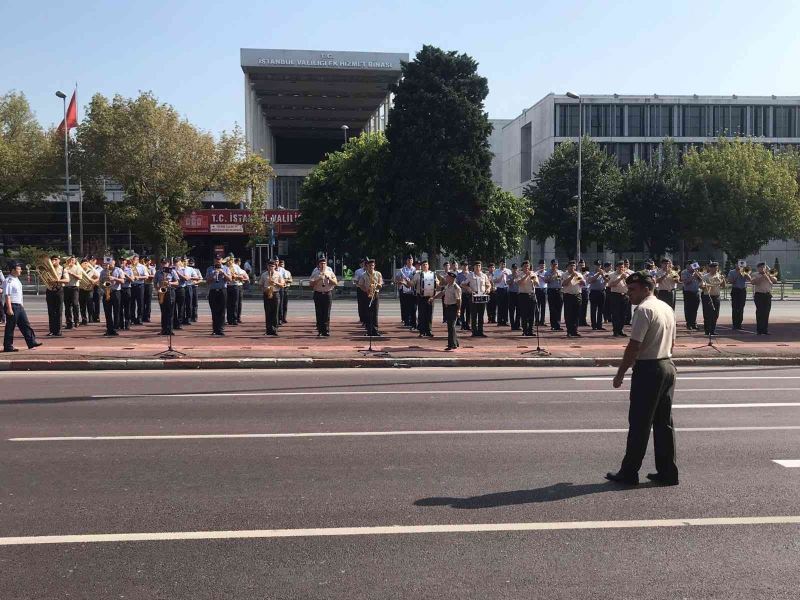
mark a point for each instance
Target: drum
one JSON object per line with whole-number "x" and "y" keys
{"x": 480, "y": 298}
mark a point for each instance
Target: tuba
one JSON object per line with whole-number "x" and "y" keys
{"x": 47, "y": 272}
{"x": 86, "y": 282}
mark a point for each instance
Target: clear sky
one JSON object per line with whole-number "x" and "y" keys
{"x": 187, "y": 52}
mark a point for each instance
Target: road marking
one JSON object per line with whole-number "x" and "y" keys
{"x": 390, "y": 530}
{"x": 738, "y": 405}
{"x": 313, "y": 434}
{"x": 431, "y": 392}
{"x": 792, "y": 464}
{"x": 703, "y": 378}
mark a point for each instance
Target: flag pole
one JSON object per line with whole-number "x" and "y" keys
{"x": 66, "y": 179}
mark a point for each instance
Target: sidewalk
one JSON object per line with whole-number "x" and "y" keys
{"x": 298, "y": 346}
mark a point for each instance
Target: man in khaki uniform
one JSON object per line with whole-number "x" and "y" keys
{"x": 451, "y": 296}
{"x": 323, "y": 281}
{"x": 371, "y": 283}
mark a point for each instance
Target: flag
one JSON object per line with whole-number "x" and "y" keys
{"x": 72, "y": 114}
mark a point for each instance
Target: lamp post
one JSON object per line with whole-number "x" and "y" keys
{"x": 580, "y": 161}
{"x": 344, "y": 129}
{"x": 63, "y": 97}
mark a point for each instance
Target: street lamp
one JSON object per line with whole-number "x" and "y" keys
{"x": 344, "y": 129}
{"x": 575, "y": 96}
{"x": 63, "y": 97}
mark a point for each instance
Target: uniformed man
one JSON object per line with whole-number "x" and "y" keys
{"x": 451, "y": 294}
{"x": 423, "y": 282}
{"x": 148, "y": 290}
{"x": 466, "y": 298}
{"x": 15, "y": 311}
{"x": 628, "y": 305}
{"x": 408, "y": 297}
{"x": 85, "y": 295}
{"x": 112, "y": 300}
{"x": 186, "y": 315}
{"x": 555, "y": 299}
{"x": 71, "y": 298}
{"x": 763, "y": 281}
{"x": 666, "y": 282}
{"x": 271, "y": 283}
{"x": 649, "y": 351}
{"x": 360, "y": 293}
{"x": 712, "y": 282}
{"x": 477, "y": 283}
{"x": 500, "y": 282}
{"x": 618, "y": 298}
{"x": 197, "y": 277}
{"x": 597, "y": 295}
{"x": 513, "y": 298}
{"x": 442, "y": 281}
{"x": 55, "y": 297}
{"x": 125, "y": 295}
{"x": 232, "y": 300}
{"x": 541, "y": 292}
{"x": 571, "y": 288}
{"x": 241, "y": 279}
{"x": 287, "y": 280}
{"x": 371, "y": 283}
{"x": 95, "y": 296}
{"x": 179, "y": 306}
{"x": 167, "y": 282}
{"x": 2, "y": 300}
{"x": 691, "y": 279}
{"x": 584, "y": 271}
{"x": 323, "y": 281}
{"x": 526, "y": 281}
{"x": 218, "y": 276}
{"x": 491, "y": 306}
{"x": 738, "y": 280}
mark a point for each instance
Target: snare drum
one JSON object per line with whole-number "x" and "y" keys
{"x": 480, "y": 298}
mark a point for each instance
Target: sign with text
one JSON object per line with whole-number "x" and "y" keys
{"x": 232, "y": 221}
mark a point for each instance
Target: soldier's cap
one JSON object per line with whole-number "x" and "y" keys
{"x": 134, "y": 255}
{"x": 165, "y": 261}
{"x": 323, "y": 259}
{"x": 606, "y": 264}
{"x": 191, "y": 262}
{"x": 272, "y": 263}
{"x": 640, "y": 277}
{"x": 423, "y": 261}
{"x": 713, "y": 263}
{"x": 620, "y": 263}
{"x": 554, "y": 262}
{"x": 477, "y": 262}
{"x": 541, "y": 261}
{"x": 408, "y": 256}
{"x": 572, "y": 262}
{"x": 54, "y": 256}
{"x": 369, "y": 261}
{"x": 218, "y": 257}
{"x": 598, "y": 263}
{"x": 14, "y": 264}
{"x": 451, "y": 274}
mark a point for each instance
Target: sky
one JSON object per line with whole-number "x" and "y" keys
{"x": 187, "y": 53}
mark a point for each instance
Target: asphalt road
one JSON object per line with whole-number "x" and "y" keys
{"x": 490, "y": 482}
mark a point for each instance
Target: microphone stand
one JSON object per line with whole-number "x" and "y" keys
{"x": 539, "y": 351}
{"x": 170, "y": 352}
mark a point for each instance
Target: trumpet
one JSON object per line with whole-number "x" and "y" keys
{"x": 773, "y": 272}
{"x": 746, "y": 270}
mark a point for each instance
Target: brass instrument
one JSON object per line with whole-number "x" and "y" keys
{"x": 773, "y": 272}
{"x": 747, "y": 270}
{"x": 163, "y": 290}
{"x": 86, "y": 282}
{"x": 107, "y": 285}
{"x": 269, "y": 290}
{"x": 47, "y": 272}
{"x": 373, "y": 286}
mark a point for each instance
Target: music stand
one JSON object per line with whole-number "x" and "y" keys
{"x": 170, "y": 352}
{"x": 539, "y": 351}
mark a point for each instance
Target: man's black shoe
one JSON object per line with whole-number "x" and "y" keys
{"x": 620, "y": 477}
{"x": 658, "y": 478}
{"x": 10, "y": 350}
{"x": 34, "y": 345}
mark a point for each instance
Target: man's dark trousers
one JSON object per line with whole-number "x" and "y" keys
{"x": 667, "y": 296}
{"x": 217, "y": 300}
{"x": 541, "y": 301}
{"x": 271, "y": 307}
{"x": 137, "y": 303}
{"x": 691, "y": 302}
{"x": 502, "y": 306}
{"x": 18, "y": 319}
{"x": 556, "y": 301}
{"x": 710, "y": 313}
{"x": 407, "y": 302}
{"x": 168, "y": 312}
{"x": 738, "y": 300}
{"x": 232, "y": 303}
{"x": 424, "y": 315}
{"x": 322, "y": 308}
{"x": 572, "y": 311}
{"x": 111, "y": 310}
{"x": 148, "y": 302}
{"x": 597, "y": 300}
{"x": 652, "y": 388}
{"x": 513, "y": 309}
{"x": 466, "y": 308}
{"x": 95, "y": 304}
{"x": 450, "y": 316}
{"x": 476, "y": 318}
{"x": 55, "y": 302}
{"x": 491, "y": 308}
{"x": 584, "y": 307}
{"x": 71, "y": 305}
{"x": 360, "y": 295}
{"x": 619, "y": 307}
{"x": 763, "y": 302}
{"x": 180, "y": 308}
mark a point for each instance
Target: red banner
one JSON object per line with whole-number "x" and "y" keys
{"x": 232, "y": 222}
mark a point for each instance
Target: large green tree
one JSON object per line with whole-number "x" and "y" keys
{"x": 345, "y": 202}
{"x": 553, "y": 196}
{"x": 440, "y": 160}
{"x": 746, "y": 195}
{"x": 163, "y": 163}
{"x": 29, "y": 155}
{"x": 501, "y": 227}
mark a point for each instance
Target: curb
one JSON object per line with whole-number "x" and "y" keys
{"x": 136, "y": 364}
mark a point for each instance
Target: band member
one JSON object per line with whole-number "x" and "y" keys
{"x": 424, "y": 285}
{"x": 649, "y": 351}
{"x": 167, "y": 282}
{"x": 583, "y": 270}
{"x": 541, "y": 292}
{"x": 179, "y": 295}
{"x": 555, "y": 299}
{"x": 465, "y": 312}
{"x": 271, "y": 283}
{"x": 71, "y": 302}
{"x": 491, "y": 306}
{"x": 148, "y": 290}
{"x": 241, "y": 278}
{"x": 597, "y": 295}
{"x": 628, "y": 305}
{"x": 111, "y": 280}
{"x": 94, "y": 302}
{"x": 2, "y": 300}
{"x": 323, "y": 281}
{"x": 136, "y": 308}
{"x": 186, "y": 316}
{"x": 667, "y": 279}
{"x": 738, "y": 279}
{"x": 55, "y": 298}
{"x": 513, "y": 298}
{"x": 362, "y": 318}
{"x": 287, "y": 279}
{"x": 500, "y": 279}
{"x": 571, "y": 285}
{"x": 408, "y": 298}
{"x": 217, "y": 277}
{"x": 763, "y": 281}
{"x": 197, "y": 278}
{"x": 441, "y": 280}
{"x": 526, "y": 281}
{"x": 451, "y": 294}
{"x": 372, "y": 282}
{"x": 85, "y": 292}
{"x": 712, "y": 282}
{"x": 478, "y": 286}
{"x": 233, "y": 293}
{"x": 125, "y": 295}
{"x": 690, "y": 278}
{"x": 15, "y": 311}
{"x": 618, "y": 298}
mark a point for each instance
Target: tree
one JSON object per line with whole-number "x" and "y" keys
{"x": 163, "y": 163}
{"x": 440, "y": 160}
{"x": 747, "y": 195}
{"x": 246, "y": 182}
{"x": 344, "y": 202}
{"x": 29, "y": 156}
{"x": 553, "y": 196}
{"x": 502, "y": 226}
{"x": 654, "y": 195}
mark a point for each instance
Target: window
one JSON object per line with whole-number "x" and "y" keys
{"x": 567, "y": 120}
{"x": 635, "y": 121}
{"x": 722, "y": 117}
{"x": 287, "y": 192}
{"x": 694, "y": 122}
{"x": 525, "y": 142}
{"x": 600, "y": 120}
{"x": 758, "y": 126}
{"x": 738, "y": 120}
{"x": 624, "y": 154}
{"x": 660, "y": 121}
{"x": 784, "y": 122}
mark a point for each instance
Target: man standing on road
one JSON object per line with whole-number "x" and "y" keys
{"x": 649, "y": 351}
{"x": 15, "y": 313}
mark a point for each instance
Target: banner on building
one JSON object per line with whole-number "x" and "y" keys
{"x": 231, "y": 221}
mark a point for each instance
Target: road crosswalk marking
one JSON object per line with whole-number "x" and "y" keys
{"x": 792, "y": 464}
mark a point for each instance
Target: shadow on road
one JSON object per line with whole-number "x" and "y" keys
{"x": 550, "y": 493}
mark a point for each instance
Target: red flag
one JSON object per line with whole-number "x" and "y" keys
{"x": 72, "y": 114}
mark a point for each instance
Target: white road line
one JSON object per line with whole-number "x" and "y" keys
{"x": 312, "y": 434}
{"x": 792, "y": 464}
{"x": 738, "y": 405}
{"x": 431, "y": 392}
{"x": 702, "y": 378}
{"x": 390, "y": 530}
